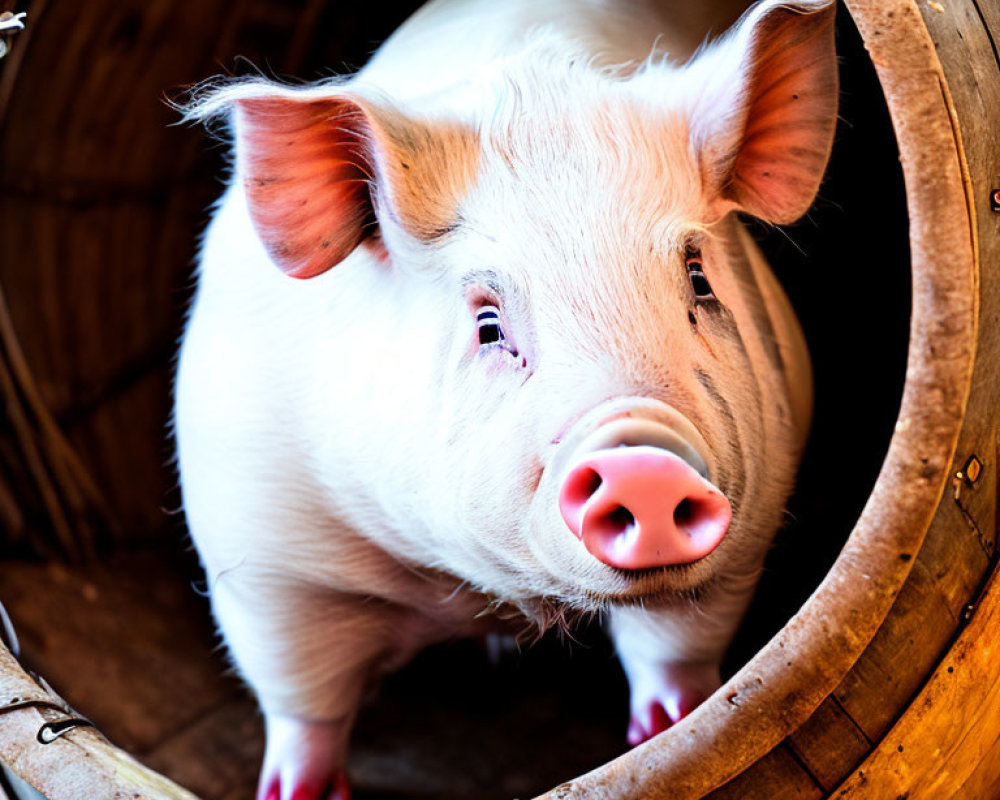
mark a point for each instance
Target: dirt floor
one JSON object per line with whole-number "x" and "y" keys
{"x": 130, "y": 645}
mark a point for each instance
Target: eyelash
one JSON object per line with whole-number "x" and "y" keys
{"x": 696, "y": 274}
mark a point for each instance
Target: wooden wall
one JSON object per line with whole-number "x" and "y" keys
{"x": 101, "y": 200}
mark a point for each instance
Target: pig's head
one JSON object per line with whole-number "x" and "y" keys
{"x": 563, "y": 375}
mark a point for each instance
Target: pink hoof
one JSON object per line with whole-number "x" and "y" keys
{"x": 304, "y": 761}
{"x": 337, "y": 789}
{"x": 341, "y": 788}
{"x": 658, "y": 721}
{"x": 663, "y": 701}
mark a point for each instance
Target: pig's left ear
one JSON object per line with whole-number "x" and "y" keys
{"x": 765, "y": 107}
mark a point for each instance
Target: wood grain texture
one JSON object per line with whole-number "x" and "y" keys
{"x": 780, "y": 775}
{"x": 144, "y": 665}
{"x": 81, "y": 763}
{"x": 102, "y": 197}
{"x": 948, "y": 574}
{"x": 130, "y": 645}
{"x": 945, "y": 743}
{"x": 119, "y": 625}
{"x": 960, "y": 548}
{"x": 829, "y": 744}
{"x": 218, "y": 756}
{"x": 947, "y": 738}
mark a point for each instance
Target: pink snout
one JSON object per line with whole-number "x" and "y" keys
{"x": 642, "y": 506}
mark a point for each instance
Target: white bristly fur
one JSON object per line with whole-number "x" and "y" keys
{"x": 359, "y": 486}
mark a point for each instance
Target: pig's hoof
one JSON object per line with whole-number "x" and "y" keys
{"x": 657, "y": 719}
{"x": 304, "y": 761}
{"x": 338, "y": 789}
{"x": 679, "y": 690}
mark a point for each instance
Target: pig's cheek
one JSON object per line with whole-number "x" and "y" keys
{"x": 502, "y": 367}
{"x": 500, "y": 474}
{"x": 550, "y": 539}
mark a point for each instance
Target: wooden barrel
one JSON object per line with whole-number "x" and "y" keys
{"x": 882, "y": 684}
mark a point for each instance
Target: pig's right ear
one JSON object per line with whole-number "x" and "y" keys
{"x": 320, "y": 164}
{"x": 306, "y": 164}
{"x": 763, "y": 108}
{"x": 324, "y": 168}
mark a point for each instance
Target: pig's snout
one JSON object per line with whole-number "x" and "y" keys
{"x": 636, "y": 505}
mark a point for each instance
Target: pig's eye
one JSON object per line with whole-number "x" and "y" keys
{"x": 488, "y": 320}
{"x": 696, "y": 274}
{"x": 491, "y": 342}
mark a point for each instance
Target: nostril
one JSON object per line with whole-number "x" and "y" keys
{"x": 683, "y": 514}
{"x": 620, "y": 520}
{"x": 698, "y": 517}
{"x": 581, "y": 485}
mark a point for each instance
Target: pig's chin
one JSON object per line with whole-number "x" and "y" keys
{"x": 586, "y": 584}
{"x": 678, "y": 582}
{"x": 664, "y": 584}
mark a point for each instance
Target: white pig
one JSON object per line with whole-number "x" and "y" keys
{"x": 538, "y": 366}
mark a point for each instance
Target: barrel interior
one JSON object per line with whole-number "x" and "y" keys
{"x": 100, "y": 205}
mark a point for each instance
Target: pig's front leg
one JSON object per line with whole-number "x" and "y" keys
{"x": 309, "y": 654}
{"x": 671, "y": 659}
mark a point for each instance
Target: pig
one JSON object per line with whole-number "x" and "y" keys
{"x": 479, "y": 336}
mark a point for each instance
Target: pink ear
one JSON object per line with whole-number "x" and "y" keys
{"x": 306, "y": 176}
{"x": 766, "y": 138}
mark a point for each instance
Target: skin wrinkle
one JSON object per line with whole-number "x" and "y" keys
{"x": 732, "y": 469}
{"x": 758, "y": 316}
{"x": 753, "y": 298}
{"x": 722, "y": 321}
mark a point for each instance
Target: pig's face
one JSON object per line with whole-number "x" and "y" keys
{"x": 585, "y": 262}
{"x": 568, "y": 278}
